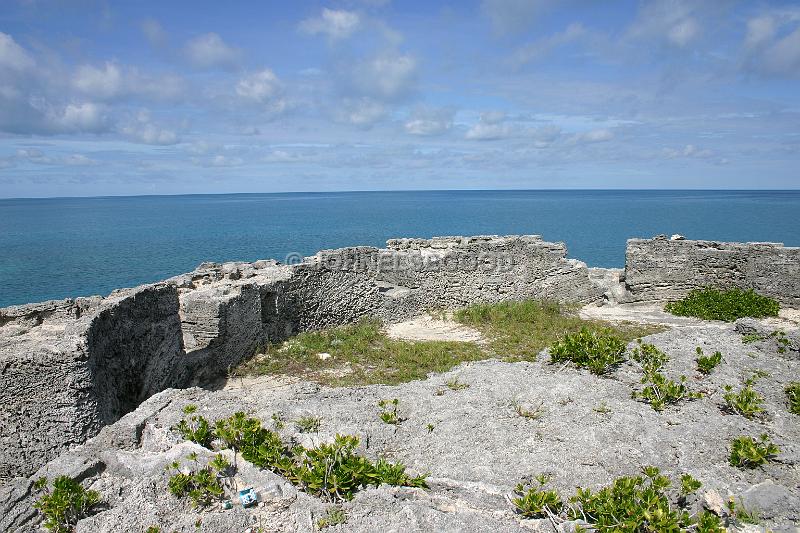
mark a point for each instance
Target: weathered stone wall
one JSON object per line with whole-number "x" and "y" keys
{"x": 665, "y": 269}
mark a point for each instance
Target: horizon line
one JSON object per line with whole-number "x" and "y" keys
{"x": 619, "y": 189}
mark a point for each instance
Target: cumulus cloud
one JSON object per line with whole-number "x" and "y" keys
{"x": 361, "y": 112}
{"x": 428, "y": 121}
{"x": 264, "y": 89}
{"x": 143, "y": 130}
{"x": 85, "y": 117}
{"x": 336, "y": 24}
{"x": 209, "y": 51}
{"x": 490, "y": 127}
{"x": 385, "y": 77}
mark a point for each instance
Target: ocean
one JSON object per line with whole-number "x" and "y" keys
{"x": 66, "y": 247}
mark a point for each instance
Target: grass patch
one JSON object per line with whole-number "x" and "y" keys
{"x": 726, "y": 305}
{"x": 518, "y": 331}
{"x": 362, "y": 354}
{"x": 598, "y": 351}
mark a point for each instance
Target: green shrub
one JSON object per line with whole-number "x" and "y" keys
{"x": 331, "y": 471}
{"x": 597, "y": 351}
{"x": 533, "y": 502}
{"x": 630, "y": 505}
{"x": 793, "y": 397}
{"x": 202, "y": 484}
{"x": 708, "y": 522}
{"x": 707, "y": 363}
{"x": 308, "y": 424}
{"x": 741, "y": 514}
{"x": 727, "y": 305}
{"x": 649, "y": 358}
{"x": 689, "y": 485}
{"x": 747, "y": 402}
{"x": 660, "y": 391}
{"x": 196, "y": 429}
{"x": 747, "y": 452}
{"x": 65, "y": 503}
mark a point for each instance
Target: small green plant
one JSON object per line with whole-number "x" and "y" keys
{"x": 708, "y": 522}
{"x": 660, "y": 391}
{"x": 741, "y": 514}
{"x": 689, "y": 485}
{"x": 333, "y": 516}
{"x": 752, "y": 337}
{"x": 202, "y": 484}
{"x": 747, "y": 402}
{"x": 308, "y": 424}
{"x": 455, "y": 384}
{"x": 726, "y": 305}
{"x": 649, "y": 358}
{"x": 747, "y": 452}
{"x": 601, "y": 408}
{"x": 196, "y": 429}
{"x": 277, "y": 421}
{"x": 389, "y": 411}
{"x": 792, "y": 391}
{"x": 430, "y": 428}
{"x": 533, "y": 502}
{"x": 599, "y": 352}
{"x": 65, "y": 503}
{"x": 641, "y": 500}
{"x": 707, "y": 363}
{"x": 533, "y": 412}
{"x": 153, "y": 529}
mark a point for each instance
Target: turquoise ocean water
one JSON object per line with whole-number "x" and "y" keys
{"x": 66, "y": 247}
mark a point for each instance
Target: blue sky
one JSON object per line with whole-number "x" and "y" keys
{"x": 107, "y": 98}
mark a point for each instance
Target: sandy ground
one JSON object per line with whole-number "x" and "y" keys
{"x": 427, "y": 328}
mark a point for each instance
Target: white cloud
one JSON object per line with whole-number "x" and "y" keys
{"x": 386, "y": 77}
{"x": 144, "y": 130}
{"x": 540, "y": 48}
{"x": 209, "y": 51}
{"x": 86, "y": 117}
{"x": 79, "y": 160}
{"x": 225, "y": 161}
{"x": 427, "y": 121}
{"x": 596, "y": 136}
{"x": 263, "y": 88}
{"x": 102, "y": 83}
{"x": 336, "y": 24}
{"x": 674, "y": 22}
{"x": 772, "y": 44}
{"x": 12, "y": 55}
{"x": 112, "y": 81}
{"x": 361, "y": 112}
{"x": 490, "y": 127}
{"x": 688, "y": 151}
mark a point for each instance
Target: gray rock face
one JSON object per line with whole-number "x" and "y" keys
{"x": 71, "y": 367}
{"x": 664, "y": 269}
{"x": 590, "y": 432}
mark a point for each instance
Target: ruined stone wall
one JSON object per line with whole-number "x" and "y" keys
{"x": 666, "y": 269}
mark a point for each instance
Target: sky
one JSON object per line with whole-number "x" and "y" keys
{"x": 180, "y": 97}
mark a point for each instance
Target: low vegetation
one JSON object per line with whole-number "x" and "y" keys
{"x": 792, "y": 391}
{"x": 201, "y": 484}
{"x": 64, "y": 503}
{"x": 331, "y": 471}
{"x": 707, "y": 363}
{"x": 532, "y": 412}
{"x": 389, "y": 413}
{"x": 334, "y": 516}
{"x": 660, "y": 391}
{"x": 630, "y": 504}
{"x": 308, "y": 424}
{"x": 597, "y": 351}
{"x": 726, "y": 305}
{"x": 747, "y": 452}
{"x": 362, "y": 353}
{"x": 520, "y": 330}
{"x": 747, "y": 402}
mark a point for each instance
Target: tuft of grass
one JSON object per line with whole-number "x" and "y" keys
{"x": 455, "y": 384}
{"x": 518, "y": 331}
{"x": 334, "y": 516}
{"x": 707, "y": 363}
{"x": 727, "y": 305}
{"x": 601, "y": 408}
{"x": 747, "y": 452}
{"x": 792, "y": 391}
{"x": 361, "y": 354}
{"x": 598, "y": 351}
{"x": 533, "y": 413}
{"x": 308, "y": 424}
{"x": 747, "y": 402}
